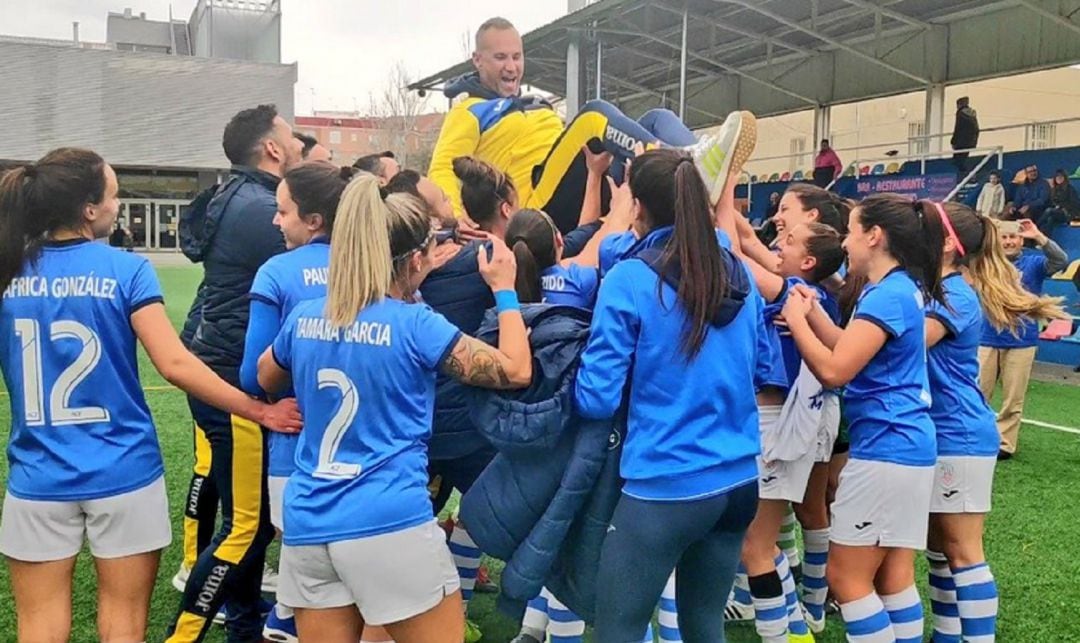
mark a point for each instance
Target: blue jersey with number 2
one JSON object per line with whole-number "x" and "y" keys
{"x": 80, "y": 427}
{"x": 367, "y": 393}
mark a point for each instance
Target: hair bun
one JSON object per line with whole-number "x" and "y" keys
{"x": 347, "y": 172}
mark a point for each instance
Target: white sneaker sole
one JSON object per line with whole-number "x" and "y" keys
{"x": 733, "y": 159}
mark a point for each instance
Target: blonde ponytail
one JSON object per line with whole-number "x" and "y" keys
{"x": 361, "y": 268}
{"x": 997, "y": 282}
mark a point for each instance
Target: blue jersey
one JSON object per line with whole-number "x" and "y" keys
{"x": 80, "y": 427}
{"x": 367, "y": 392}
{"x": 788, "y": 349}
{"x": 692, "y": 429}
{"x": 282, "y": 282}
{"x": 571, "y": 285}
{"x": 616, "y": 247}
{"x": 888, "y": 403}
{"x": 964, "y": 421}
{"x": 1033, "y": 272}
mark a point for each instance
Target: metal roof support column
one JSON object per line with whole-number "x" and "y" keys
{"x": 573, "y": 66}
{"x": 682, "y": 66}
{"x": 599, "y": 67}
{"x": 935, "y": 116}
{"x": 822, "y": 122}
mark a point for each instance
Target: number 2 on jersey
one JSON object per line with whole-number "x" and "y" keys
{"x": 27, "y": 330}
{"x": 339, "y": 423}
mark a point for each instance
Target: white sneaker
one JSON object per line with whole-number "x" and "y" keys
{"x": 816, "y": 627}
{"x": 179, "y": 581}
{"x": 269, "y": 580}
{"x": 735, "y": 611}
{"x": 722, "y": 155}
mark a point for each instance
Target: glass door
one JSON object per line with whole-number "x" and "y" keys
{"x": 165, "y": 224}
{"x": 137, "y": 214}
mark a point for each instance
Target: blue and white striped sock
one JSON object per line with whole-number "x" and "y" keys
{"x": 564, "y": 626}
{"x": 466, "y": 559}
{"x": 943, "y": 599}
{"x": 867, "y": 621}
{"x": 535, "y": 621}
{"x": 796, "y": 622}
{"x": 977, "y": 601}
{"x": 787, "y": 540}
{"x": 770, "y": 606}
{"x": 668, "y": 617}
{"x": 906, "y": 614}
{"x": 815, "y": 559}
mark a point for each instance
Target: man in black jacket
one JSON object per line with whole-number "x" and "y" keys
{"x": 233, "y": 236}
{"x": 965, "y": 134}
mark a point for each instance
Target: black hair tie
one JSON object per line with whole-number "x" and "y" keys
{"x": 29, "y": 171}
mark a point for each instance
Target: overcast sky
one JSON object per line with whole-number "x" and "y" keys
{"x": 343, "y": 47}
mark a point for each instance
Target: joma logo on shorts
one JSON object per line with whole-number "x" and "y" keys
{"x": 210, "y": 588}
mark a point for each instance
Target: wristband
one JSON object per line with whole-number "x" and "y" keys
{"x": 506, "y": 301}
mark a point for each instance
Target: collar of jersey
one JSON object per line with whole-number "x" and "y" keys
{"x": 66, "y": 243}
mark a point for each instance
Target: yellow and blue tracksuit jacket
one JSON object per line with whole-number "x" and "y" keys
{"x": 512, "y": 134}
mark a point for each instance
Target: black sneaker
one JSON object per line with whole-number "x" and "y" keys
{"x": 1004, "y": 455}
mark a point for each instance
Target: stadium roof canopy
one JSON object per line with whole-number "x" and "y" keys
{"x": 779, "y": 56}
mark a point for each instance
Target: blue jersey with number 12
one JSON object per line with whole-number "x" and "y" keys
{"x": 367, "y": 393}
{"x": 80, "y": 427}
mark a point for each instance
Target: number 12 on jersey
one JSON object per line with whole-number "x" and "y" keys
{"x": 33, "y": 380}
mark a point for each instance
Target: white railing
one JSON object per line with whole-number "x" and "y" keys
{"x": 922, "y": 158}
{"x": 914, "y": 143}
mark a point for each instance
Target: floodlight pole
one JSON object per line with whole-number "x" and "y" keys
{"x": 682, "y": 67}
{"x": 599, "y": 65}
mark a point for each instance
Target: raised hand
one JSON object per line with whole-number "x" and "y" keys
{"x": 500, "y": 271}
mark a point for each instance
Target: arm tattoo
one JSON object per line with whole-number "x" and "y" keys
{"x": 476, "y": 363}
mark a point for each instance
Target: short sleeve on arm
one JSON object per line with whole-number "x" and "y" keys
{"x": 144, "y": 288}
{"x": 282, "y": 348}
{"x": 433, "y": 337}
{"x": 265, "y": 287}
{"x": 883, "y": 307}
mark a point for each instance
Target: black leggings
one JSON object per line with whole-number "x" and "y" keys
{"x": 700, "y": 539}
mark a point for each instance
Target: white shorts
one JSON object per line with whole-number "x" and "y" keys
{"x": 787, "y": 479}
{"x": 829, "y": 429}
{"x": 963, "y": 484}
{"x": 882, "y": 504}
{"x": 275, "y": 486}
{"x": 131, "y": 523}
{"x": 359, "y": 572}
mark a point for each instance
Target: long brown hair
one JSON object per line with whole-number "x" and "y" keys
{"x": 531, "y": 236}
{"x": 833, "y": 210}
{"x": 316, "y": 187}
{"x": 995, "y": 279}
{"x": 41, "y": 198}
{"x": 668, "y": 186}
{"x": 483, "y": 189}
{"x": 916, "y": 237}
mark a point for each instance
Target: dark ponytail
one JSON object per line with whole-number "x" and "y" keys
{"x": 531, "y": 236}
{"x": 915, "y": 234}
{"x": 483, "y": 189}
{"x": 668, "y": 186}
{"x": 832, "y": 210}
{"x": 316, "y": 187}
{"x": 43, "y": 197}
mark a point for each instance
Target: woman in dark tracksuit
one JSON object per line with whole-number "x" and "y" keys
{"x": 680, "y": 324}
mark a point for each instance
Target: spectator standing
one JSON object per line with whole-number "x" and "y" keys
{"x": 965, "y": 133}
{"x": 827, "y": 165}
{"x": 992, "y": 197}
{"x": 1064, "y": 204}
{"x": 1008, "y": 357}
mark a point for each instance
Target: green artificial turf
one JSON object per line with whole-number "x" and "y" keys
{"x": 1029, "y": 534}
